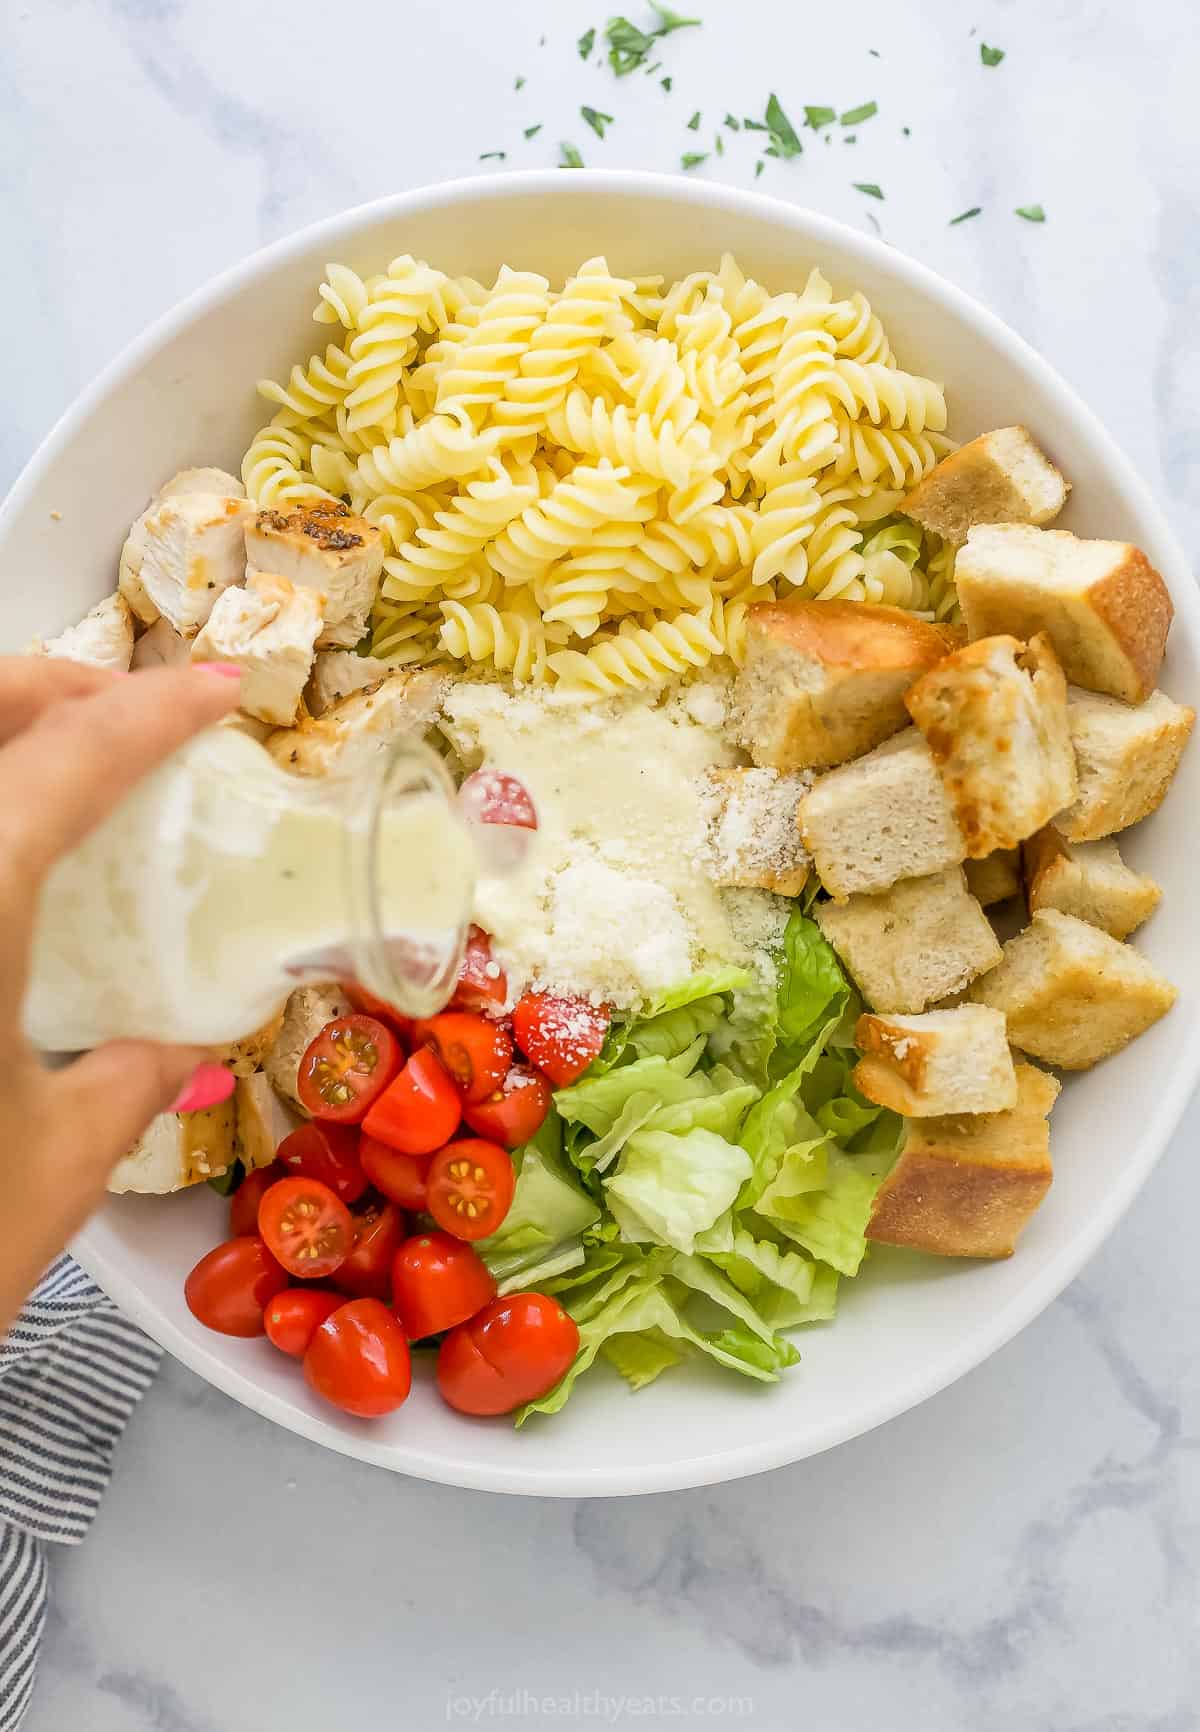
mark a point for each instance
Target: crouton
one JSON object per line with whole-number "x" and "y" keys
{"x": 1089, "y": 880}
{"x": 753, "y": 838}
{"x": 1072, "y": 994}
{"x": 102, "y": 639}
{"x": 338, "y": 673}
{"x": 243, "y": 1057}
{"x": 824, "y": 681}
{"x": 178, "y": 1149}
{"x": 269, "y": 629}
{"x": 994, "y": 715}
{"x": 1101, "y": 603}
{"x": 965, "y": 1186}
{"x": 218, "y": 481}
{"x": 995, "y": 878}
{"x": 160, "y": 646}
{"x": 1126, "y": 758}
{"x": 921, "y": 941}
{"x": 320, "y": 545}
{"x": 883, "y": 817}
{"x": 1001, "y": 477}
{"x": 180, "y": 554}
{"x": 405, "y": 704}
{"x": 305, "y": 1015}
{"x": 263, "y": 1120}
{"x": 946, "y": 1061}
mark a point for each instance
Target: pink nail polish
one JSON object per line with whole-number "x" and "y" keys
{"x": 208, "y": 1085}
{"x": 226, "y": 670}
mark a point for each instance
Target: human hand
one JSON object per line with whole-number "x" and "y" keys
{"x": 73, "y": 741}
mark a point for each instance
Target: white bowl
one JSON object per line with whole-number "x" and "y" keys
{"x": 184, "y": 394}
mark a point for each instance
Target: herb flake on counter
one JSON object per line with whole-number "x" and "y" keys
{"x": 694, "y": 122}
{"x": 907, "y": 131}
{"x": 850, "y": 138}
{"x": 1033, "y": 213}
{"x": 754, "y": 125}
{"x": 732, "y": 122}
{"x": 532, "y": 131}
{"x": 666, "y": 84}
{"x": 758, "y": 167}
{"x": 990, "y": 56}
{"x": 864, "y": 111}
{"x": 629, "y": 47}
{"x": 719, "y": 144}
{"x": 493, "y": 155}
{"x": 693, "y": 158}
{"x": 965, "y": 215}
{"x": 869, "y": 187}
{"x": 586, "y": 43}
{"x": 785, "y": 141}
{"x": 874, "y": 53}
{"x": 819, "y": 117}
{"x": 519, "y": 82}
{"x": 596, "y": 120}
{"x": 569, "y": 157}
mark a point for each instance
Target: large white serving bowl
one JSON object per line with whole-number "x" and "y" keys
{"x": 184, "y": 394}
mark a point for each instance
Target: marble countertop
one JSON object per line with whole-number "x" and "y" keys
{"x": 1021, "y": 1551}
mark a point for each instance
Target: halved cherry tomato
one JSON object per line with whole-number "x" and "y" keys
{"x": 482, "y": 984}
{"x": 400, "y": 1177}
{"x": 229, "y": 1287}
{"x": 421, "y": 1109}
{"x": 560, "y": 1035}
{"x": 477, "y": 1053}
{"x": 515, "y": 1112}
{"x": 470, "y": 1187}
{"x": 513, "y": 1351}
{"x": 495, "y": 797}
{"x": 293, "y": 1317}
{"x": 306, "y": 1226}
{"x": 379, "y": 1008}
{"x": 437, "y": 1281}
{"x": 243, "y": 1205}
{"x": 367, "y": 1270}
{"x": 359, "y": 1360}
{"x": 347, "y": 1067}
{"x": 326, "y": 1152}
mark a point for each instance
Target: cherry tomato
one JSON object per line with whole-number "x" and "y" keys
{"x": 379, "y": 1008}
{"x": 400, "y": 1177}
{"x": 293, "y": 1317}
{"x": 358, "y": 1359}
{"x": 495, "y": 797}
{"x": 347, "y": 1067}
{"x": 421, "y": 1109}
{"x": 326, "y": 1152}
{"x": 561, "y": 1036}
{"x": 367, "y": 1270}
{"x": 470, "y": 1187}
{"x": 437, "y": 1282}
{"x": 513, "y": 1351}
{"x": 229, "y": 1287}
{"x": 515, "y": 1112}
{"x": 482, "y": 984}
{"x": 243, "y": 1205}
{"x": 477, "y": 1053}
{"x": 306, "y": 1226}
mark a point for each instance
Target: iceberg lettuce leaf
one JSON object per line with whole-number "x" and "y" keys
{"x": 668, "y": 1188}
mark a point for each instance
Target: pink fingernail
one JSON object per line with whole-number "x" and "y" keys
{"x": 208, "y": 1085}
{"x": 227, "y": 670}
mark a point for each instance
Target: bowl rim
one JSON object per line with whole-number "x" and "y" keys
{"x": 756, "y": 1454}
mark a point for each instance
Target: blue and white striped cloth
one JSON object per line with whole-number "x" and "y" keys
{"x": 71, "y": 1372}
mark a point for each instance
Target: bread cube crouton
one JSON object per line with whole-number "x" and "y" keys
{"x": 160, "y": 646}
{"x": 946, "y": 1061}
{"x": 405, "y": 704}
{"x": 305, "y": 1015}
{"x": 1101, "y": 603}
{"x": 995, "y": 878}
{"x": 321, "y": 545}
{"x": 176, "y": 1150}
{"x": 1089, "y": 880}
{"x": 1001, "y": 477}
{"x": 102, "y": 639}
{"x": 1125, "y": 757}
{"x": 180, "y": 554}
{"x": 965, "y": 1186}
{"x": 824, "y": 681}
{"x": 921, "y": 941}
{"x": 243, "y": 1057}
{"x": 1072, "y": 994}
{"x": 753, "y": 836}
{"x": 263, "y": 1120}
{"x": 994, "y": 715}
{"x": 269, "y": 628}
{"x": 884, "y": 817}
{"x": 337, "y": 674}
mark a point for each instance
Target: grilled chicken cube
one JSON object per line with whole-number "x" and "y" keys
{"x": 160, "y": 646}
{"x": 403, "y": 706}
{"x": 178, "y": 1149}
{"x": 269, "y": 629}
{"x": 338, "y": 674}
{"x": 218, "y": 481}
{"x": 308, "y": 1010}
{"x": 322, "y": 546}
{"x": 180, "y": 554}
{"x": 263, "y": 1120}
{"x": 103, "y": 638}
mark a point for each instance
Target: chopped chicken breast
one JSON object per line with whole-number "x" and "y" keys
{"x": 218, "y": 481}
{"x": 178, "y": 1149}
{"x": 403, "y": 705}
{"x": 180, "y": 554}
{"x": 263, "y": 1120}
{"x": 160, "y": 646}
{"x": 338, "y": 673}
{"x": 269, "y": 629}
{"x": 243, "y": 1057}
{"x": 308, "y": 1010}
{"x": 322, "y": 546}
{"x": 103, "y": 638}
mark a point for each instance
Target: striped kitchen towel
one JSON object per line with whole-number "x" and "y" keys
{"x": 71, "y": 1372}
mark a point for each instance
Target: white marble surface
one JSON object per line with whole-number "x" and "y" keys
{"x": 1021, "y": 1552}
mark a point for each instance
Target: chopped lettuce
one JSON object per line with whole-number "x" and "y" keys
{"x": 669, "y": 1187}
{"x": 830, "y": 1220}
{"x": 641, "y": 1358}
{"x": 549, "y": 1209}
{"x": 598, "y": 1101}
{"x": 812, "y": 987}
{"x": 675, "y": 1030}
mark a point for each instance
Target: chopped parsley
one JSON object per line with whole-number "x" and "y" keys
{"x": 965, "y": 215}
{"x": 819, "y": 117}
{"x": 1033, "y": 213}
{"x": 693, "y": 158}
{"x": 754, "y": 125}
{"x": 489, "y": 155}
{"x": 732, "y": 122}
{"x": 848, "y": 138}
{"x": 569, "y": 157}
{"x": 719, "y": 143}
{"x": 864, "y": 111}
{"x": 519, "y": 82}
{"x": 532, "y": 131}
{"x": 596, "y": 120}
{"x": 651, "y": 70}
{"x": 758, "y": 167}
{"x": 629, "y": 47}
{"x": 694, "y": 122}
{"x": 586, "y": 43}
{"x": 666, "y": 84}
{"x": 990, "y": 56}
{"x": 874, "y": 52}
{"x": 907, "y": 131}
{"x": 784, "y": 139}
{"x": 869, "y": 187}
